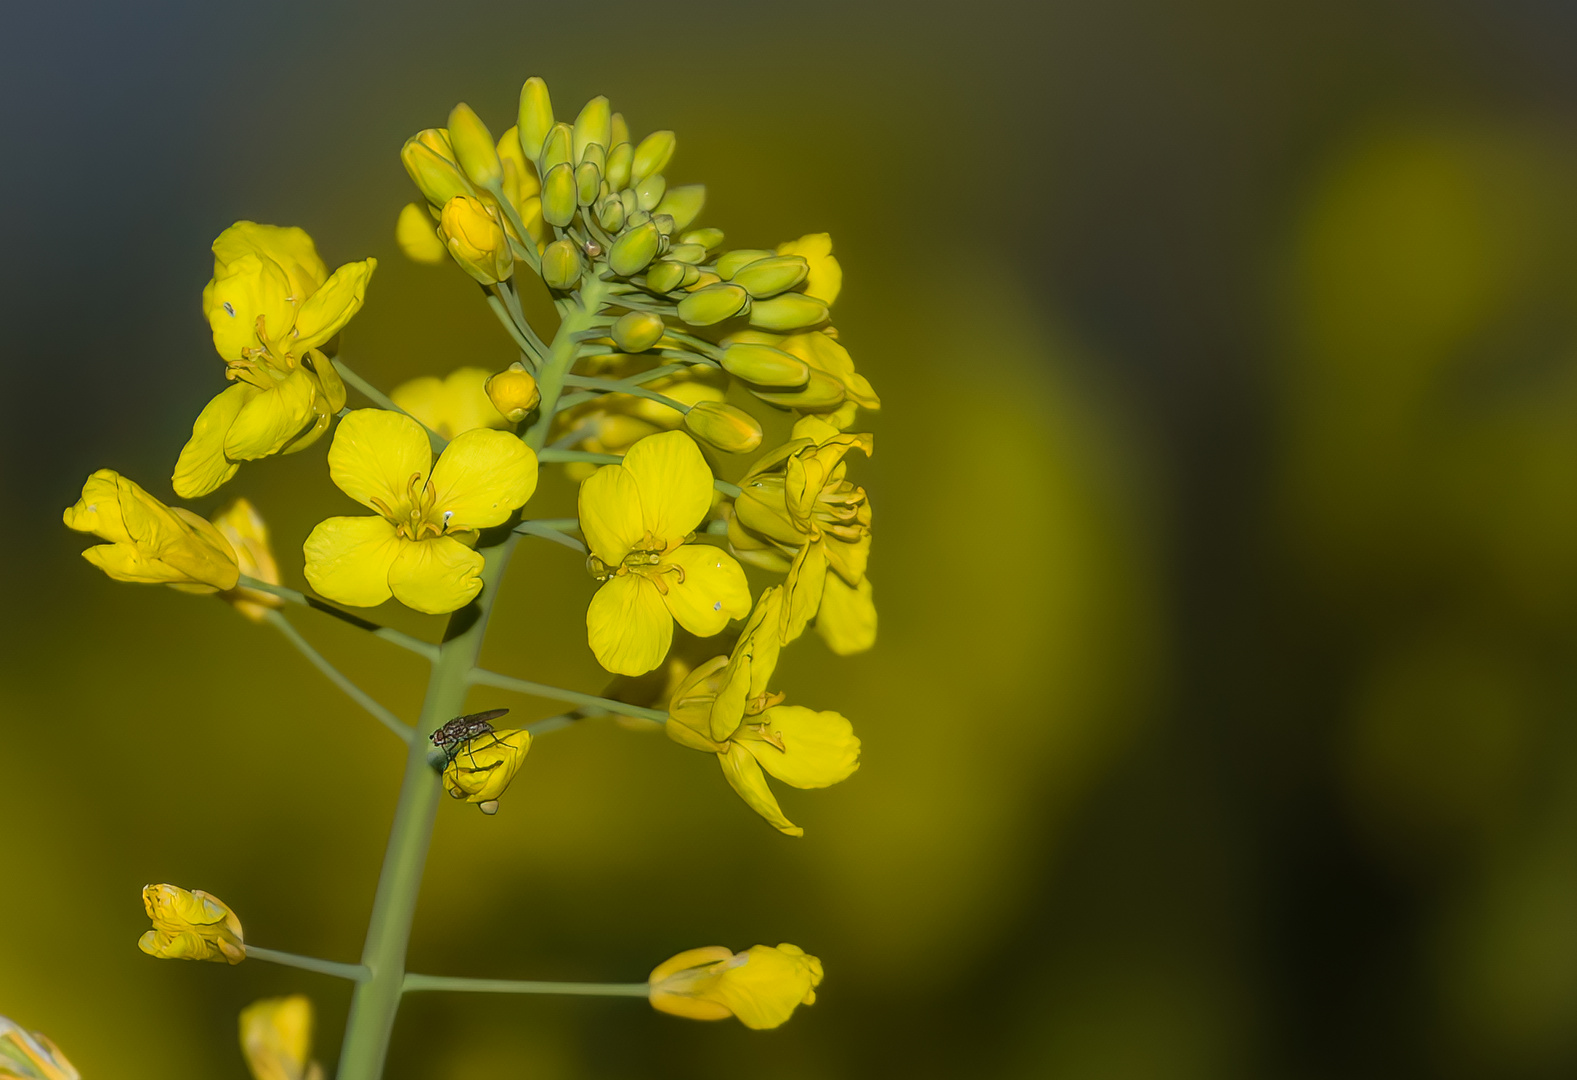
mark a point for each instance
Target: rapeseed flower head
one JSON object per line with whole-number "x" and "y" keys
{"x": 419, "y": 547}
{"x": 31, "y": 1056}
{"x": 481, "y": 770}
{"x": 638, "y": 518}
{"x": 452, "y": 405}
{"x": 276, "y": 1039}
{"x": 148, "y": 541}
{"x": 247, "y": 534}
{"x": 761, "y": 986}
{"x": 190, "y": 926}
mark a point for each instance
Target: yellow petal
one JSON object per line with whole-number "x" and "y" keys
{"x": 418, "y": 237}
{"x": 764, "y": 991}
{"x": 436, "y": 575}
{"x": 287, "y": 246}
{"x": 248, "y": 289}
{"x": 202, "y": 466}
{"x": 818, "y": 748}
{"x": 481, "y": 478}
{"x": 123, "y": 562}
{"x": 807, "y": 578}
{"x": 375, "y": 454}
{"x": 674, "y": 481}
{"x": 481, "y": 770}
{"x": 846, "y": 619}
{"x": 276, "y": 1037}
{"x": 271, "y": 418}
{"x": 825, "y": 279}
{"x": 712, "y": 591}
{"x": 610, "y": 513}
{"x": 98, "y": 510}
{"x": 744, "y": 776}
{"x": 627, "y": 625}
{"x": 332, "y": 306}
{"x": 454, "y": 404}
{"x": 348, "y": 559}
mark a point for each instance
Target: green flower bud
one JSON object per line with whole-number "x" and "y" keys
{"x": 558, "y": 195}
{"x": 711, "y": 239}
{"x": 536, "y": 117}
{"x": 556, "y": 148}
{"x": 664, "y": 223}
{"x": 687, "y": 253}
{"x": 618, "y": 130}
{"x": 791, "y": 311}
{"x": 426, "y": 157}
{"x": 649, "y": 192}
{"x": 768, "y": 277}
{"x": 632, "y": 207}
{"x": 610, "y": 215}
{"x": 474, "y": 147}
{"x": 764, "y": 365}
{"x": 619, "y": 161}
{"x": 653, "y": 155}
{"x": 588, "y": 183}
{"x": 665, "y": 277}
{"x": 594, "y": 126}
{"x": 730, "y": 429}
{"x": 713, "y": 304}
{"x": 637, "y": 331}
{"x": 821, "y": 392}
{"x": 732, "y": 262}
{"x": 692, "y": 275}
{"x": 561, "y": 264}
{"x": 634, "y": 250}
{"x": 684, "y": 204}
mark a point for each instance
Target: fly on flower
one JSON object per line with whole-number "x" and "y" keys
{"x": 459, "y": 732}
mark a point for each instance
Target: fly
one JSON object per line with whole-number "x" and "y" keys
{"x": 458, "y": 733}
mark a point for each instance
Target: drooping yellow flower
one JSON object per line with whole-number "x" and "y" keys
{"x": 31, "y": 1056}
{"x": 271, "y": 306}
{"x": 825, "y": 280}
{"x": 723, "y": 707}
{"x": 482, "y": 769}
{"x": 419, "y": 548}
{"x": 638, "y": 517}
{"x": 247, "y": 534}
{"x": 148, "y": 541}
{"x": 451, "y": 406}
{"x": 276, "y": 1039}
{"x": 797, "y": 513}
{"x": 761, "y": 986}
{"x": 190, "y": 926}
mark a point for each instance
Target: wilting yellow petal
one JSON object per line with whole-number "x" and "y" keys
{"x": 846, "y": 619}
{"x": 803, "y": 747}
{"x": 271, "y": 418}
{"x": 481, "y": 478}
{"x": 761, "y": 986}
{"x": 150, "y": 541}
{"x": 202, "y": 466}
{"x": 674, "y": 481}
{"x": 348, "y": 559}
{"x": 436, "y": 575}
{"x": 610, "y": 513}
{"x": 711, "y": 591}
{"x": 333, "y": 305}
{"x": 627, "y": 625}
{"x": 190, "y": 926}
{"x": 744, "y": 776}
{"x": 375, "y": 454}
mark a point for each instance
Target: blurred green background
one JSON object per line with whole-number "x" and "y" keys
{"x": 1226, "y": 543}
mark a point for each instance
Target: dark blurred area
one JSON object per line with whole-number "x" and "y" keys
{"x": 1226, "y": 543}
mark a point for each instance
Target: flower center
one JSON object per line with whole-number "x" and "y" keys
{"x": 646, "y": 559}
{"x": 415, "y": 518}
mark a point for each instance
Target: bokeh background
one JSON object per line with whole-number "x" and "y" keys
{"x": 1226, "y": 508}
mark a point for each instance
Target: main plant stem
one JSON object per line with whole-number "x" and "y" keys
{"x": 376, "y": 1001}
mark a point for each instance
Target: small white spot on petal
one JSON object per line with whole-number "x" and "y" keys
{"x": 717, "y": 605}
{"x": 229, "y": 310}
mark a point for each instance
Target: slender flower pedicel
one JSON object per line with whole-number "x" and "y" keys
{"x": 637, "y": 393}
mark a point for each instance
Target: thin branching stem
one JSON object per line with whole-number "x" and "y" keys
{"x": 550, "y": 531}
{"x": 555, "y": 693}
{"x": 552, "y": 454}
{"x": 394, "y": 637}
{"x": 353, "y": 972}
{"x": 456, "y": 984}
{"x": 401, "y": 730}
{"x": 382, "y": 400}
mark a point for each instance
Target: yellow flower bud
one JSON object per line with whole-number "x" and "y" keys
{"x": 247, "y": 534}
{"x": 762, "y": 987}
{"x": 513, "y": 392}
{"x": 637, "y": 331}
{"x": 428, "y": 158}
{"x": 728, "y": 428}
{"x": 732, "y": 262}
{"x": 665, "y": 277}
{"x": 190, "y": 926}
{"x": 481, "y": 769}
{"x": 31, "y": 1056}
{"x": 634, "y": 250}
{"x": 764, "y": 365}
{"x": 418, "y": 236}
{"x": 652, "y": 155}
{"x": 474, "y": 147}
{"x": 476, "y": 239}
{"x": 148, "y": 541}
{"x": 620, "y": 160}
{"x": 594, "y": 126}
{"x": 683, "y": 204}
{"x": 791, "y": 311}
{"x": 561, "y": 264}
{"x": 768, "y": 277}
{"x": 821, "y": 391}
{"x": 713, "y": 304}
{"x": 559, "y": 195}
{"x": 535, "y": 119}
{"x": 276, "y": 1039}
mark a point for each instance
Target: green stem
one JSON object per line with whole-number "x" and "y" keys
{"x": 607, "y": 386}
{"x": 382, "y": 400}
{"x": 394, "y": 637}
{"x": 377, "y": 1000}
{"x": 353, "y": 972}
{"x": 548, "y": 532}
{"x": 338, "y": 678}
{"x": 509, "y": 324}
{"x": 555, "y": 693}
{"x": 550, "y": 380}
{"x": 523, "y": 986}
{"x": 553, "y": 454}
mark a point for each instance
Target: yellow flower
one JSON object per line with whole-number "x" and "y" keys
{"x": 276, "y": 1038}
{"x": 798, "y": 513}
{"x": 471, "y": 232}
{"x": 451, "y": 406}
{"x": 829, "y": 362}
{"x": 419, "y": 548}
{"x": 190, "y": 926}
{"x": 723, "y": 707}
{"x": 418, "y": 236}
{"x": 825, "y": 280}
{"x": 247, "y": 534}
{"x": 762, "y": 986}
{"x": 31, "y": 1056}
{"x": 637, "y": 518}
{"x": 481, "y": 770}
{"x": 271, "y": 306}
{"x": 148, "y": 541}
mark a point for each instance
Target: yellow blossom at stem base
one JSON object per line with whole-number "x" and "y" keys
{"x": 762, "y": 986}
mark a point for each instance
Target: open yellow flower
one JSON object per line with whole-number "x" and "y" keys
{"x": 276, "y": 1039}
{"x": 761, "y": 986}
{"x": 247, "y": 534}
{"x": 148, "y": 541}
{"x": 419, "y": 547}
{"x": 451, "y": 406}
{"x": 31, "y": 1056}
{"x": 481, "y": 770}
{"x": 723, "y": 707}
{"x": 638, "y": 517}
{"x": 271, "y": 305}
{"x": 190, "y": 926}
